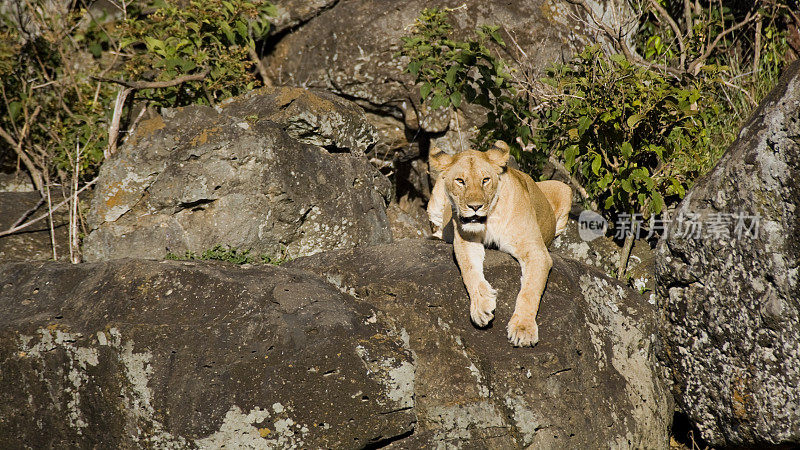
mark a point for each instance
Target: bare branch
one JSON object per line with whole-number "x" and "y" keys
{"x": 260, "y": 66}
{"x": 695, "y": 65}
{"x": 757, "y": 48}
{"x": 157, "y": 84}
{"x": 687, "y": 17}
{"x": 113, "y": 127}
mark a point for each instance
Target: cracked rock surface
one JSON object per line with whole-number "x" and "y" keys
{"x": 345, "y": 349}
{"x": 732, "y": 302}
{"x": 277, "y": 170}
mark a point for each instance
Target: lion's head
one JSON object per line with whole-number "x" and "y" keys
{"x": 471, "y": 179}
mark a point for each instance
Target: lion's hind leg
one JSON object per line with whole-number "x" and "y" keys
{"x": 559, "y": 195}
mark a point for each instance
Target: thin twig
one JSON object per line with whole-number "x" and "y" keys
{"x": 50, "y": 222}
{"x": 757, "y": 48}
{"x": 14, "y": 229}
{"x": 30, "y": 211}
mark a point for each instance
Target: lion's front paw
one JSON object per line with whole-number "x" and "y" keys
{"x": 523, "y": 331}
{"x": 482, "y": 304}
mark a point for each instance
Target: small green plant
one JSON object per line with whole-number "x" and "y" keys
{"x": 229, "y": 254}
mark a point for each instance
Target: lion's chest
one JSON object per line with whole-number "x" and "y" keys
{"x": 497, "y": 235}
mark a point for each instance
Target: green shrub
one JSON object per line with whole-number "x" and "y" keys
{"x": 631, "y": 135}
{"x": 50, "y": 106}
{"x": 176, "y": 39}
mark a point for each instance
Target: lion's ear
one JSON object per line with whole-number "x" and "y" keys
{"x": 440, "y": 160}
{"x": 499, "y": 153}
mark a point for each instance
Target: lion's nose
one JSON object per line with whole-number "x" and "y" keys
{"x": 475, "y": 206}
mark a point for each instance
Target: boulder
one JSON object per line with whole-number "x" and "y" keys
{"x": 279, "y": 170}
{"x": 146, "y": 354}
{"x": 729, "y": 288}
{"x": 591, "y": 382}
{"x": 366, "y": 347}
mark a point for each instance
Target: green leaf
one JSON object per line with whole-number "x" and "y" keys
{"x": 657, "y": 204}
{"x": 425, "y": 90}
{"x": 241, "y": 28}
{"x": 414, "y": 66}
{"x": 569, "y": 156}
{"x": 626, "y": 185}
{"x": 627, "y": 149}
{"x": 450, "y": 78}
{"x": 14, "y": 109}
{"x": 596, "y": 163}
{"x": 455, "y": 99}
{"x": 583, "y": 124}
{"x": 438, "y": 101}
{"x": 633, "y": 120}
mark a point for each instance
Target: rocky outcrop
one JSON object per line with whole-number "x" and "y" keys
{"x": 350, "y": 48}
{"x": 590, "y": 382}
{"x": 730, "y": 288}
{"x": 351, "y": 348}
{"x": 279, "y": 170}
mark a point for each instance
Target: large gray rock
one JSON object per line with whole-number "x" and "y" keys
{"x": 591, "y": 382}
{"x": 350, "y": 48}
{"x": 376, "y": 348}
{"x": 277, "y": 170}
{"x": 732, "y": 301}
{"x": 145, "y": 354}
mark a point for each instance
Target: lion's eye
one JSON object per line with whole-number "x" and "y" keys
{"x": 460, "y": 181}
{"x": 486, "y": 180}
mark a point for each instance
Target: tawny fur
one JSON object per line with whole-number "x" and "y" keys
{"x": 521, "y": 216}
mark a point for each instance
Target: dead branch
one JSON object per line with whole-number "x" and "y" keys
{"x": 687, "y": 17}
{"x": 694, "y": 66}
{"x": 157, "y": 84}
{"x": 16, "y": 228}
{"x": 29, "y": 212}
{"x": 113, "y": 127}
{"x": 757, "y": 48}
{"x": 260, "y": 66}
{"x": 130, "y": 86}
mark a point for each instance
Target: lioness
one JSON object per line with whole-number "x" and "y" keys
{"x": 495, "y": 204}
